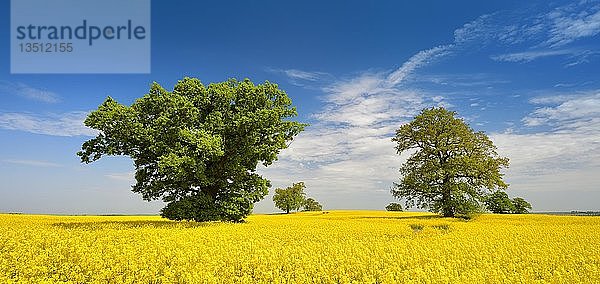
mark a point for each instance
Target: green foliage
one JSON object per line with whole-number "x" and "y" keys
{"x": 196, "y": 207}
{"x": 197, "y": 147}
{"x": 394, "y": 207}
{"x": 499, "y": 202}
{"x": 310, "y": 204}
{"x": 469, "y": 209}
{"x": 290, "y": 198}
{"x": 520, "y": 206}
{"x": 451, "y": 167}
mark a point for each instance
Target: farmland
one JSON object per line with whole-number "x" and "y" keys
{"x": 315, "y": 247}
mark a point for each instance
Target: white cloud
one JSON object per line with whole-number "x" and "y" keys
{"x": 575, "y": 112}
{"x": 527, "y": 56}
{"x": 63, "y": 124}
{"x": 28, "y": 92}
{"x": 544, "y": 32}
{"x": 476, "y": 30}
{"x": 303, "y": 75}
{"x": 548, "y": 153}
{"x": 368, "y": 100}
{"x": 505, "y": 27}
{"x": 33, "y": 163}
{"x": 420, "y": 59}
{"x": 463, "y": 80}
{"x": 301, "y": 78}
{"x": 572, "y": 22}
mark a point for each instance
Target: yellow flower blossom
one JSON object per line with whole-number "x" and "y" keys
{"x": 310, "y": 247}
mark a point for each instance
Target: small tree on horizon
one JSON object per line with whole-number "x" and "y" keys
{"x": 310, "y": 204}
{"x": 451, "y": 167}
{"x": 499, "y": 203}
{"x": 290, "y": 198}
{"x": 394, "y": 207}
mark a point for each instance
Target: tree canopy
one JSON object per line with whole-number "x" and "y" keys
{"x": 197, "y": 147}
{"x": 499, "y": 202}
{"x": 520, "y": 206}
{"x": 290, "y": 198}
{"x": 393, "y": 206}
{"x": 451, "y": 167}
{"x": 310, "y": 204}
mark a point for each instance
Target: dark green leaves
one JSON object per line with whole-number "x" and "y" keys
{"x": 499, "y": 202}
{"x": 198, "y": 144}
{"x": 310, "y": 204}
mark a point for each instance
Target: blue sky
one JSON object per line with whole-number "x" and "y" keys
{"x": 525, "y": 73}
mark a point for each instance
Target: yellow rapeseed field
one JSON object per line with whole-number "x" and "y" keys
{"x": 333, "y": 247}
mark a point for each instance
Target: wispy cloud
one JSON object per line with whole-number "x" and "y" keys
{"x": 301, "y": 77}
{"x": 541, "y": 33}
{"x": 575, "y": 112}
{"x": 63, "y": 124}
{"x": 33, "y": 163}
{"x": 464, "y": 80}
{"x": 368, "y": 100}
{"x": 527, "y": 56}
{"x": 571, "y": 22}
{"x": 28, "y": 92}
{"x": 504, "y": 27}
{"x": 420, "y": 59}
{"x": 476, "y": 30}
{"x": 553, "y": 27}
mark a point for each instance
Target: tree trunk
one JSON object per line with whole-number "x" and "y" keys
{"x": 212, "y": 191}
{"x": 447, "y": 208}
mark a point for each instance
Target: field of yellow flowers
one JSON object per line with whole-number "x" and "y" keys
{"x": 316, "y": 247}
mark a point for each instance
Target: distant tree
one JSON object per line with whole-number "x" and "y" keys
{"x": 451, "y": 167}
{"x": 499, "y": 202}
{"x": 394, "y": 207}
{"x": 520, "y": 206}
{"x": 197, "y": 147}
{"x": 310, "y": 204}
{"x": 290, "y": 198}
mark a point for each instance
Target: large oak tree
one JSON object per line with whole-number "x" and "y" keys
{"x": 197, "y": 147}
{"x": 451, "y": 167}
